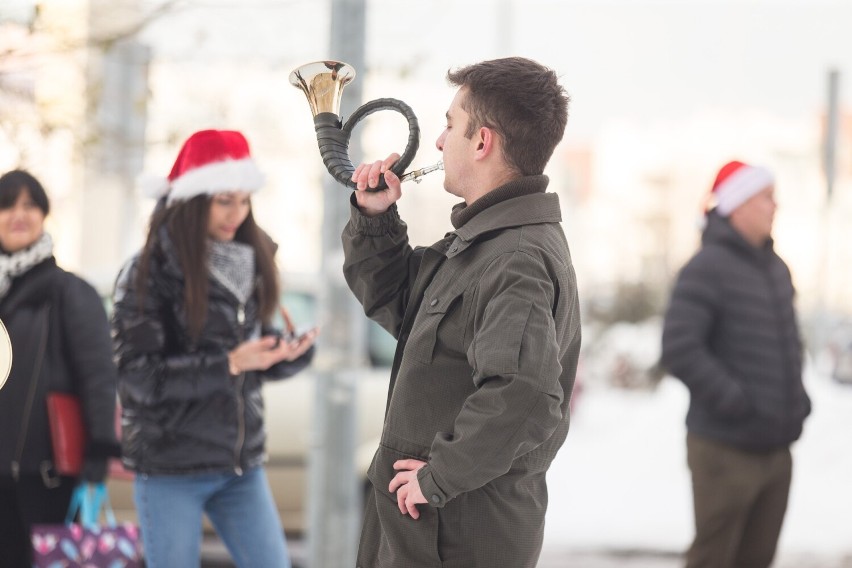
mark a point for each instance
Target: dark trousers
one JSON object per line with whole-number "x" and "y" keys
{"x": 22, "y": 504}
{"x": 740, "y": 499}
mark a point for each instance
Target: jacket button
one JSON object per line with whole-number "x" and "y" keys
{"x": 454, "y": 249}
{"x": 434, "y": 302}
{"x": 436, "y": 499}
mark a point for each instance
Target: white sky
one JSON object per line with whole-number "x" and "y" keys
{"x": 629, "y": 58}
{"x": 634, "y": 58}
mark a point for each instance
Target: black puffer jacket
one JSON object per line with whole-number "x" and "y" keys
{"x": 78, "y": 359}
{"x": 731, "y": 336}
{"x": 183, "y": 412}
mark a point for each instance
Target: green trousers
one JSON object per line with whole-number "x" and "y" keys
{"x": 740, "y": 499}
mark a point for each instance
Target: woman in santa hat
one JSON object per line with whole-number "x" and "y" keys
{"x": 194, "y": 343}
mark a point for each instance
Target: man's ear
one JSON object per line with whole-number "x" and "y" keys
{"x": 487, "y": 142}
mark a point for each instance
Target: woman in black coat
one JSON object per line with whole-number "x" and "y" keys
{"x": 194, "y": 343}
{"x": 60, "y": 340}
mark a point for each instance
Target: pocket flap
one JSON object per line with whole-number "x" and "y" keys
{"x": 439, "y": 304}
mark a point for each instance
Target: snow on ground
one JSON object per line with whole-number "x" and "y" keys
{"x": 621, "y": 481}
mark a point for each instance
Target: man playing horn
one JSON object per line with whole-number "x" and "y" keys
{"x": 488, "y": 327}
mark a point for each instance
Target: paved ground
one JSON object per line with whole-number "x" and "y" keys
{"x": 215, "y": 556}
{"x": 661, "y": 559}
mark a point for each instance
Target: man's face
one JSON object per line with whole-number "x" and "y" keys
{"x": 754, "y": 217}
{"x": 457, "y": 148}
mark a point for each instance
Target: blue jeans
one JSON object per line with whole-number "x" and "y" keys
{"x": 240, "y": 507}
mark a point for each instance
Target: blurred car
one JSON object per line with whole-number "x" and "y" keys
{"x": 289, "y": 412}
{"x": 842, "y": 371}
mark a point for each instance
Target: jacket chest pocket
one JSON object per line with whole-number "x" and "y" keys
{"x": 439, "y": 322}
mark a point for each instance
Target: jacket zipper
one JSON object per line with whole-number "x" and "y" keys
{"x": 241, "y": 421}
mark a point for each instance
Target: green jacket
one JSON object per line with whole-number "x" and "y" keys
{"x": 488, "y": 328}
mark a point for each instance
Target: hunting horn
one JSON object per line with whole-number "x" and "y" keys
{"x": 323, "y": 82}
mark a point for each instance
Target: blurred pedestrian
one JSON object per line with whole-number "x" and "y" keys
{"x": 60, "y": 338}
{"x": 488, "y": 330}
{"x": 731, "y": 336}
{"x": 194, "y": 344}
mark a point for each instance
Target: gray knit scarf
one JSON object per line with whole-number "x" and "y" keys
{"x": 231, "y": 263}
{"x": 14, "y": 264}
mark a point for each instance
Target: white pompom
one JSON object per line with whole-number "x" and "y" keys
{"x": 151, "y": 186}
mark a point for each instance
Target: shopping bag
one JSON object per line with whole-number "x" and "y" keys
{"x": 87, "y": 543}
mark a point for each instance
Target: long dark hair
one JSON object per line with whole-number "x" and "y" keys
{"x": 186, "y": 225}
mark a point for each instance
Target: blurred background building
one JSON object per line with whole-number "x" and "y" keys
{"x": 94, "y": 93}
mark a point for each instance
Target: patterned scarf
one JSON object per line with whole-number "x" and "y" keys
{"x": 232, "y": 264}
{"x": 14, "y": 264}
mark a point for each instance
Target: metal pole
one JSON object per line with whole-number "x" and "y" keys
{"x": 334, "y": 507}
{"x": 114, "y": 143}
{"x": 821, "y": 332}
{"x": 831, "y": 129}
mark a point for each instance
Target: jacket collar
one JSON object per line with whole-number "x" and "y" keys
{"x": 462, "y": 213}
{"x": 34, "y": 286}
{"x": 517, "y": 203}
{"x": 720, "y": 231}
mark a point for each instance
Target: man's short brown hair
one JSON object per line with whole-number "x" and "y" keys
{"x": 522, "y": 101}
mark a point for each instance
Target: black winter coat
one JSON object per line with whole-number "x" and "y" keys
{"x": 183, "y": 412}
{"x": 731, "y": 336}
{"x": 78, "y": 359}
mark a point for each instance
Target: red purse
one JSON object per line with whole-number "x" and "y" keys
{"x": 65, "y": 421}
{"x": 68, "y": 436}
{"x": 67, "y": 432}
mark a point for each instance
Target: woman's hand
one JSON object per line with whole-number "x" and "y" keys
{"x": 260, "y": 354}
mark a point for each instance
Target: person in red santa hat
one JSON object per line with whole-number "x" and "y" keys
{"x": 731, "y": 336}
{"x": 194, "y": 343}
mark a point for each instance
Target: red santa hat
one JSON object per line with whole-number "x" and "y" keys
{"x": 736, "y": 183}
{"x": 210, "y": 162}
